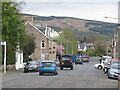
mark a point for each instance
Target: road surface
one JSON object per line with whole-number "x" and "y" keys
{"x": 82, "y": 76}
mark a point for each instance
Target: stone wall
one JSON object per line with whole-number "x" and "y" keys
{"x": 39, "y": 37}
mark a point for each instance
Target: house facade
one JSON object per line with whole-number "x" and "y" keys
{"x": 114, "y": 46}
{"x": 85, "y": 46}
{"x": 45, "y": 45}
{"x": 118, "y": 43}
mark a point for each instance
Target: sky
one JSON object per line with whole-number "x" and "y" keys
{"x": 87, "y": 9}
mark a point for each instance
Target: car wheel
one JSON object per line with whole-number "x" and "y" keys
{"x": 109, "y": 77}
{"x": 25, "y": 71}
{"x": 71, "y": 68}
{"x": 56, "y": 73}
{"x": 40, "y": 73}
{"x": 61, "y": 68}
{"x": 81, "y": 63}
{"x": 75, "y": 63}
{"x": 105, "y": 71}
{"x": 99, "y": 67}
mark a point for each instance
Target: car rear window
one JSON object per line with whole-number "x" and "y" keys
{"x": 32, "y": 63}
{"x": 66, "y": 58}
{"x": 47, "y": 63}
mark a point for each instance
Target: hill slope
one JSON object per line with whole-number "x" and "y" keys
{"x": 81, "y": 27}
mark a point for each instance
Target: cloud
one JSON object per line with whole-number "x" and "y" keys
{"x": 84, "y": 10}
{"x": 71, "y": 0}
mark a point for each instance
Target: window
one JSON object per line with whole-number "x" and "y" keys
{"x": 43, "y": 44}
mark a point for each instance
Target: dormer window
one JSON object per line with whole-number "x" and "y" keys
{"x": 43, "y": 44}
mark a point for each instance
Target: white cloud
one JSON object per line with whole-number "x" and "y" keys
{"x": 84, "y": 10}
{"x": 71, "y": 0}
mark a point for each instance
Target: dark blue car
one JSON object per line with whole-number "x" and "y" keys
{"x": 47, "y": 67}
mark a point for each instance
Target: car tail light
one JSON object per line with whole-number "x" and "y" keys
{"x": 60, "y": 60}
{"x": 71, "y": 60}
{"x": 40, "y": 65}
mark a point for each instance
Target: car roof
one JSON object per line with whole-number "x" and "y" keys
{"x": 107, "y": 57}
{"x": 32, "y": 61}
{"x": 115, "y": 59}
{"x": 47, "y": 61}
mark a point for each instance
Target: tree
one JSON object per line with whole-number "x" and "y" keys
{"x": 12, "y": 27}
{"x": 69, "y": 41}
{"x": 28, "y": 47}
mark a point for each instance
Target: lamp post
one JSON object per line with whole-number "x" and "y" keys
{"x": 61, "y": 47}
{"x": 72, "y": 49}
{"x": 4, "y": 43}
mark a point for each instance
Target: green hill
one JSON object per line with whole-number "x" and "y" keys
{"x": 81, "y": 27}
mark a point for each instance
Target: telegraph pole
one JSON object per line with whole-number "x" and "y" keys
{"x": 72, "y": 48}
{"x": 4, "y": 43}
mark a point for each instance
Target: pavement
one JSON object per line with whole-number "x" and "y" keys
{"x": 82, "y": 76}
{"x": 11, "y": 72}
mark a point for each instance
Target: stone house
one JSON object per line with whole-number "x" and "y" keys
{"x": 114, "y": 42}
{"x": 85, "y": 46}
{"x": 118, "y": 43}
{"x": 45, "y": 45}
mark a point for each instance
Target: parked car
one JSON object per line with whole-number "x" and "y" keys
{"x": 47, "y": 67}
{"x": 86, "y": 58}
{"x": 104, "y": 62}
{"x": 100, "y": 65}
{"x": 114, "y": 71}
{"x": 66, "y": 62}
{"x": 31, "y": 66}
{"x": 79, "y": 61}
{"x": 107, "y": 64}
{"x": 103, "y": 58}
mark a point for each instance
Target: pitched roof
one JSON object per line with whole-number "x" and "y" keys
{"x": 36, "y": 28}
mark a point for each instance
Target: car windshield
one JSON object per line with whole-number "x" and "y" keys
{"x": 56, "y": 60}
{"x": 115, "y": 62}
{"x": 115, "y": 66}
{"x": 65, "y": 58}
{"x": 32, "y": 63}
{"x": 47, "y": 63}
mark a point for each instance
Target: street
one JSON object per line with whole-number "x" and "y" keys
{"x": 82, "y": 76}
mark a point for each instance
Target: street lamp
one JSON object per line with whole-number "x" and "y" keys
{"x": 4, "y": 43}
{"x": 111, "y": 17}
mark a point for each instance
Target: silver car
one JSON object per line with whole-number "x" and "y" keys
{"x": 114, "y": 71}
{"x": 31, "y": 66}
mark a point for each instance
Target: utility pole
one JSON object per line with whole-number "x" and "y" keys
{"x": 114, "y": 38}
{"x": 107, "y": 49}
{"x": 4, "y": 43}
{"x": 61, "y": 46}
{"x": 72, "y": 49}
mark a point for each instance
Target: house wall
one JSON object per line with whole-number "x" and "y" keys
{"x": 118, "y": 44}
{"x": 47, "y": 53}
{"x": 39, "y": 37}
{"x": 52, "y": 50}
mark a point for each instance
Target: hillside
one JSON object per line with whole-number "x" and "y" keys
{"x": 81, "y": 27}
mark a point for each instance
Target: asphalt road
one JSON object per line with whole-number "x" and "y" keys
{"x": 83, "y": 76}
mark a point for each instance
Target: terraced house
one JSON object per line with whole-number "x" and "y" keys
{"x": 45, "y": 44}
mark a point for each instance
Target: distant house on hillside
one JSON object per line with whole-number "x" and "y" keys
{"x": 85, "y": 46}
